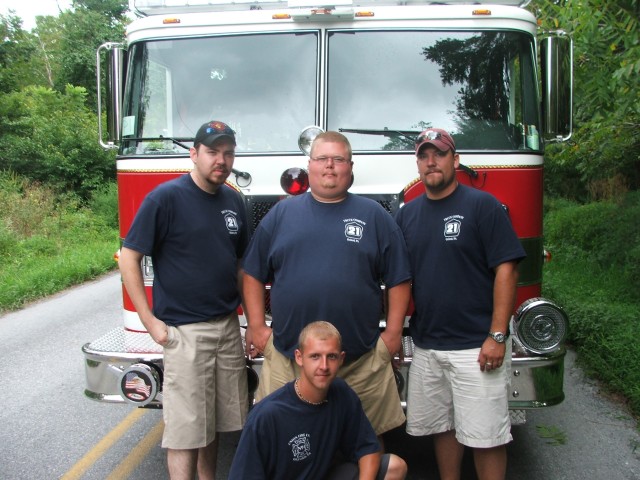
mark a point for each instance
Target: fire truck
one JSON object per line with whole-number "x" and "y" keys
{"x": 380, "y": 71}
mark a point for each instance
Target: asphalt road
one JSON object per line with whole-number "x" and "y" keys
{"x": 48, "y": 429}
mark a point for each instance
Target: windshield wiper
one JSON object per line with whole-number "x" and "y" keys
{"x": 177, "y": 141}
{"x": 407, "y": 136}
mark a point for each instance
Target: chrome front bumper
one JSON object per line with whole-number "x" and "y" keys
{"x": 536, "y": 381}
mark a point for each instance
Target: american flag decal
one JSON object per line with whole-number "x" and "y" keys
{"x": 136, "y": 384}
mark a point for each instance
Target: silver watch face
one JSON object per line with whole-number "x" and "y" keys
{"x": 497, "y": 336}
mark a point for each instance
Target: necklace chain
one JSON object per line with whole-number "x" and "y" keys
{"x": 297, "y": 389}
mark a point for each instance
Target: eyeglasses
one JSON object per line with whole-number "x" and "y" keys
{"x": 336, "y": 160}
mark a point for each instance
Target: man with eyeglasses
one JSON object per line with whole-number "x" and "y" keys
{"x": 464, "y": 255}
{"x": 325, "y": 254}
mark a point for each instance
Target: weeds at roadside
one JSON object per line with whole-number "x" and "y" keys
{"x": 49, "y": 242}
{"x": 552, "y": 434}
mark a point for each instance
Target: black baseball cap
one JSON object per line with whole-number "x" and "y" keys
{"x": 212, "y": 131}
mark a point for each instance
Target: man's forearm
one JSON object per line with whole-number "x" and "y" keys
{"x": 129, "y": 264}
{"x": 397, "y": 305}
{"x": 504, "y": 295}
{"x": 368, "y": 466}
{"x": 253, "y": 295}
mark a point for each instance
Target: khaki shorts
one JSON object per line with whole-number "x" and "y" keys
{"x": 205, "y": 383}
{"x": 447, "y": 391}
{"x": 370, "y": 376}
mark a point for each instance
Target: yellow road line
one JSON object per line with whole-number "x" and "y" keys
{"x": 103, "y": 445}
{"x": 139, "y": 453}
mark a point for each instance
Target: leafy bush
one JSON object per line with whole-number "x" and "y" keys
{"x": 50, "y": 137}
{"x": 595, "y": 276}
{"x": 602, "y": 159}
{"x": 607, "y": 232}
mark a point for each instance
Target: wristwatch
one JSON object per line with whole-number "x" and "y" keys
{"x": 498, "y": 336}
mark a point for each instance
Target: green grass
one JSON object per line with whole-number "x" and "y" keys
{"x": 50, "y": 242}
{"x": 594, "y": 276}
{"x": 33, "y": 276}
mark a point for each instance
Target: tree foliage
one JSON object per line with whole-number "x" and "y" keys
{"x": 69, "y": 41}
{"x": 601, "y": 160}
{"x": 50, "y": 137}
{"x": 60, "y": 50}
{"x": 605, "y": 150}
{"x": 16, "y": 50}
{"x": 48, "y": 122}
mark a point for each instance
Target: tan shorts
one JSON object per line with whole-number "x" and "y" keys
{"x": 370, "y": 376}
{"x": 205, "y": 383}
{"x": 447, "y": 391}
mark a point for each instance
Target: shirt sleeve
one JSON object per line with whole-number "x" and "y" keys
{"x": 500, "y": 240}
{"x": 396, "y": 268}
{"x": 256, "y": 261}
{"x": 147, "y": 226}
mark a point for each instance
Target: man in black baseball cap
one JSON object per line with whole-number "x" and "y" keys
{"x": 195, "y": 229}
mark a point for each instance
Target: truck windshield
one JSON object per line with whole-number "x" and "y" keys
{"x": 479, "y": 85}
{"x": 263, "y": 86}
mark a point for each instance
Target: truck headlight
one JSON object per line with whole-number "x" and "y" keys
{"x": 540, "y": 325}
{"x": 306, "y": 138}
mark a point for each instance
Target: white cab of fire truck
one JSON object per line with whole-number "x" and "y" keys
{"x": 380, "y": 71}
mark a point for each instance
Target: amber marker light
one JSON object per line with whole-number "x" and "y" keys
{"x": 295, "y": 181}
{"x": 364, "y": 14}
{"x": 482, "y": 12}
{"x": 280, "y": 16}
{"x": 169, "y": 21}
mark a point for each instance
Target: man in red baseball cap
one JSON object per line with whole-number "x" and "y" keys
{"x": 464, "y": 255}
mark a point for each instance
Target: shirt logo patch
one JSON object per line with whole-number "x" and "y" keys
{"x": 300, "y": 447}
{"x": 353, "y": 229}
{"x": 231, "y": 221}
{"x": 452, "y": 227}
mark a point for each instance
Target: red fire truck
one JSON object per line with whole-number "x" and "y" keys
{"x": 380, "y": 71}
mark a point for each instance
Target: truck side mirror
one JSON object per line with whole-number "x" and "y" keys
{"x": 114, "y": 83}
{"x": 556, "y": 61}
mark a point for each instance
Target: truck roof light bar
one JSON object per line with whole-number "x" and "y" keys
{"x": 146, "y": 8}
{"x": 321, "y": 13}
{"x": 171, "y": 7}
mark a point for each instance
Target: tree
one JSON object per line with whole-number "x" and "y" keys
{"x": 605, "y": 150}
{"x": 68, "y": 43}
{"x": 16, "y": 50}
{"x": 50, "y": 137}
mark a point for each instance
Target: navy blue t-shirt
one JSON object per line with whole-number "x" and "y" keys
{"x": 454, "y": 244}
{"x": 326, "y": 262}
{"x": 195, "y": 240}
{"x": 287, "y": 439}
